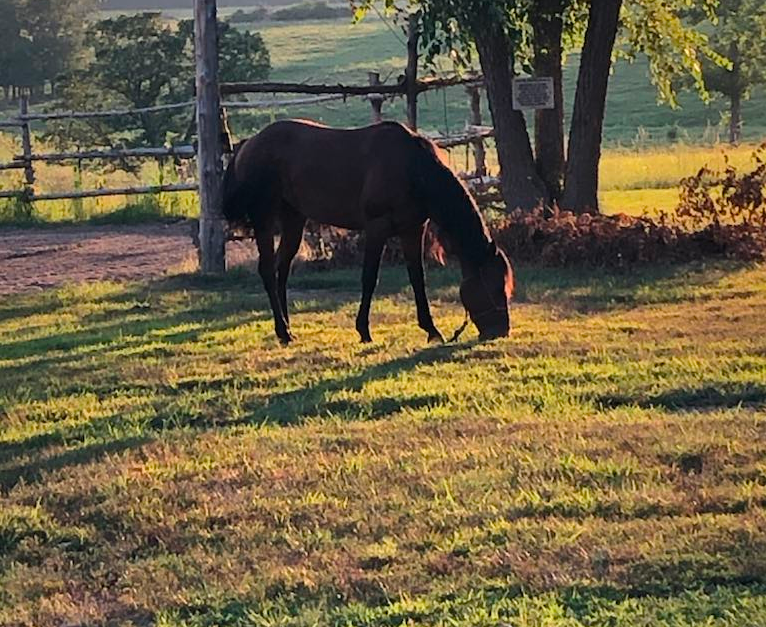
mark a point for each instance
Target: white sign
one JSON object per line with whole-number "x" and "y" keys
{"x": 533, "y": 93}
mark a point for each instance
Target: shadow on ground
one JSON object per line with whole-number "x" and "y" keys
{"x": 721, "y": 395}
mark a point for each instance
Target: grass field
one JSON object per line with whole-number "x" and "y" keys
{"x": 163, "y": 460}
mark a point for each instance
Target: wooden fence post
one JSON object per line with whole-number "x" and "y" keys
{"x": 376, "y": 100}
{"x": 411, "y": 73}
{"x": 212, "y": 226}
{"x": 26, "y": 140}
{"x": 479, "y": 153}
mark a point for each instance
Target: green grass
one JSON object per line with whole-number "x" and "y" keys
{"x": 163, "y": 460}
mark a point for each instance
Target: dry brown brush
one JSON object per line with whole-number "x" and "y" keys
{"x": 721, "y": 214}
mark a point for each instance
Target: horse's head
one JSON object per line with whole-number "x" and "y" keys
{"x": 485, "y": 296}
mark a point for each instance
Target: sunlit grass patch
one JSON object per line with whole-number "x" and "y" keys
{"x": 167, "y": 458}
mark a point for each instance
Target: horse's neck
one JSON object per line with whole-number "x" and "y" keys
{"x": 466, "y": 230}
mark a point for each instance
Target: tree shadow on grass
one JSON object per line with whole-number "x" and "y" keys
{"x": 32, "y": 471}
{"x": 28, "y": 459}
{"x": 724, "y": 394}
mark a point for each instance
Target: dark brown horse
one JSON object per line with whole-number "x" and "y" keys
{"x": 382, "y": 179}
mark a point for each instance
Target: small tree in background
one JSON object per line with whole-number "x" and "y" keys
{"x": 40, "y": 39}
{"x": 740, "y": 36}
{"x": 141, "y": 61}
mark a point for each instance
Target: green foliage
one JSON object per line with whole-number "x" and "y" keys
{"x": 39, "y": 39}
{"x": 310, "y": 11}
{"x": 242, "y": 55}
{"x": 655, "y": 28}
{"x": 676, "y": 50}
{"x": 141, "y": 61}
{"x": 739, "y": 35}
{"x": 240, "y": 16}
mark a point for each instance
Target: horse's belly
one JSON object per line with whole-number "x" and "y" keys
{"x": 341, "y": 214}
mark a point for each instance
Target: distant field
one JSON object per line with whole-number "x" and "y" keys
{"x": 342, "y": 51}
{"x": 339, "y": 51}
{"x": 648, "y": 147}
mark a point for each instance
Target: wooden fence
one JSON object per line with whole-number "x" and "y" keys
{"x": 374, "y": 92}
{"x": 209, "y": 111}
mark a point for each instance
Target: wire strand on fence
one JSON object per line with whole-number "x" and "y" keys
{"x": 270, "y": 104}
{"x": 180, "y": 152}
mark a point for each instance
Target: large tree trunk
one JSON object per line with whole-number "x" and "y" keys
{"x": 521, "y": 186}
{"x": 581, "y": 186}
{"x": 548, "y": 26}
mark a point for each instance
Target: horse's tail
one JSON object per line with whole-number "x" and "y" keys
{"x": 232, "y": 208}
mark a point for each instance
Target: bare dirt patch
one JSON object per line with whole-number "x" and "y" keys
{"x": 36, "y": 259}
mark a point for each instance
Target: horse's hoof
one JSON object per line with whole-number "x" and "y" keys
{"x": 435, "y": 338}
{"x": 284, "y": 340}
{"x": 365, "y": 339}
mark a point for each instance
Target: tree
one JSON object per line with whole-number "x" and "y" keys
{"x": 581, "y": 187}
{"x": 511, "y": 36}
{"x": 140, "y": 61}
{"x": 39, "y": 39}
{"x": 547, "y": 19}
{"x": 496, "y": 28}
{"x": 740, "y": 36}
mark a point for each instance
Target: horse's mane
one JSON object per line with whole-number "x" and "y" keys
{"x": 450, "y": 205}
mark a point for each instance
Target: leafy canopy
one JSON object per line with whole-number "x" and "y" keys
{"x": 656, "y": 28}
{"x": 140, "y": 61}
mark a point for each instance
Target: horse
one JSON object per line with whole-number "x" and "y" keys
{"x": 384, "y": 180}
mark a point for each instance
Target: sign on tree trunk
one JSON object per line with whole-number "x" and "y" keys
{"x": 533, "y": 93}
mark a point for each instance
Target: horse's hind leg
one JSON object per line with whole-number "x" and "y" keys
{"x": 412, "y": 248}
{"x": 373, "y": 251}
{"x": 266, "y": 268}
{"x": 289, "y": 243}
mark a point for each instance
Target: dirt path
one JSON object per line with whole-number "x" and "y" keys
{"x": 36, "y": 259}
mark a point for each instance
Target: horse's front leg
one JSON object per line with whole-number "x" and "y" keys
{"x": 412, "y": 248}
{"x": 267, "y": 270}
{"x": 373, "y": 251}
{"x": 289, "y": 243}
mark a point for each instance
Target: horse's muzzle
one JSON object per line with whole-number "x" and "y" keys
{"x": 493, "y": 327}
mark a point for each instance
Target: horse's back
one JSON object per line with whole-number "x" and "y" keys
{"x": 343, "y": 177}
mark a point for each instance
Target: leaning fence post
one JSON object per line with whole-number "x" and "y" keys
{"x": 26, "y": 140}
{"x": 411, "y": 73}
{"x": 212, "y": 226}
{"x": 479, "y": 153}
{"x": 376, "y": 100}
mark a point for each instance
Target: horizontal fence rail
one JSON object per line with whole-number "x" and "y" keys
{"x": 376, "y": 92}
{"x": 180, "y": 152}
{"x": 399, "y": 88}
{"x": 96, "y": 193}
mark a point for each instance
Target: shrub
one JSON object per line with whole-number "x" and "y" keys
{"x": 310, "y": 11}
{"x": 245, "y": 17}
{"x": 720, "y": 215}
